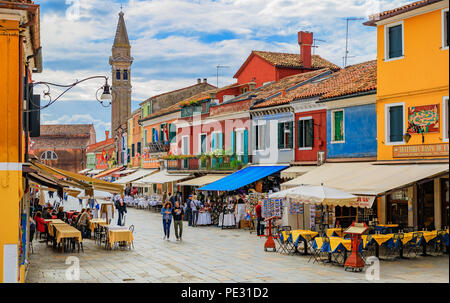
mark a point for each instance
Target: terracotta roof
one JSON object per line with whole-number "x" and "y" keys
{"x": 198, "y": 97}
{"x": 286, "y": 60}
{"x": 397, "y": 11}
{"x": 353, "y": 79}
{"x": 66, "y": 129}
{"x": 283, "y": 84}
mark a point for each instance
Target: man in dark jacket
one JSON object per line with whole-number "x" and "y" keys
{"x": 189, "y": 210}
{"x": 177, "y": 214}
{"x": 122, "y": 209}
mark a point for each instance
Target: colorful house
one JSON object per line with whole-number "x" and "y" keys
{"x": 263, "y": 67}
{"x": 135, "y": 140}
{"x": 19, "y": 23}
{"x": 412, "y": 107}
{"x": 100, "y": 155}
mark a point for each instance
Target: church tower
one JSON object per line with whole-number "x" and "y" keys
{"x": 120, "y": 62}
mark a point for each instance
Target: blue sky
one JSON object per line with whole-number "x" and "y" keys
{"x": 174, "y": 42}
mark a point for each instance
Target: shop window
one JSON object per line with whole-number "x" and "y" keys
{"x": 285, "y": 135}
{"x": 337, "y": 126}
{"x": 305, "y": 133}
{"x": 49, "y": 155}
{"x": 397, "y": 207}
{"x": 395, "y": 123}
{"x": 394, "y": 41}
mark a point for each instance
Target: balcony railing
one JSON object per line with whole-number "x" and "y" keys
{"x": 230, "y": 163}
{"x": 158, "y": 147}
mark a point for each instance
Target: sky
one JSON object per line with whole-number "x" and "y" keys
{"x": 174, "y": 42}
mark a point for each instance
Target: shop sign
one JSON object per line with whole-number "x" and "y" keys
{"x": 363, "y": 201}
{"x": 424, "y": 150}
{"x": 423, "y": 119}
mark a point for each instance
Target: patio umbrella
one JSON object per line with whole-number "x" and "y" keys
{"x": 309, "y": 194}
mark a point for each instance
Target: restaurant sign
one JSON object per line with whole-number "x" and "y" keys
{"x": 363, "y": 201}
{"x": 424, "y": 150}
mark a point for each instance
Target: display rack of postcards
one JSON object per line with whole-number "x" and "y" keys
{"x": 272, "y": 208}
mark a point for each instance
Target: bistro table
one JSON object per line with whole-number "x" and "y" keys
{"x": 118, "y": 234}
{"x": 379, "y": 239}
{"x": 96, "y": 222}
{"x": 338, "y": 244}
{"x": 302, "y": 235}
{"x": 332, "y": 232}
{"x": 65, "y": 231}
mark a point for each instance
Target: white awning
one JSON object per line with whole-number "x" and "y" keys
{"x": 160, "y": 178}
{"x": 367, "y": 178}
{"x": 124, "y": 172}
{"x": 96, "y": 171}
{"x": 135, "y": 176}
{"x": 84, "y": 170}
{"x": 201, "y": 181}
{"x": 296, "y": 171}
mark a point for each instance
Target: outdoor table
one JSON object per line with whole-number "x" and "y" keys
{"x": 337, "y": 243}
{"x": 426, "y": 236}
{"x": 54, "y": 222}
{"x": 65, "y": 231}
{"x": 303, "y": 235}
{"x": 227, "y": 220}
{"x": 334, "y": 231}
{"x": 117, "y": 235}
{"x": 379, "y": 239}
{"x": 95, "y": 222}
{"x": 386, "y": 228}
{"x": 204, "y": 219}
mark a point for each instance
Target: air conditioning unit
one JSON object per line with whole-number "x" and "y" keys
{"x": 320, "y": 158}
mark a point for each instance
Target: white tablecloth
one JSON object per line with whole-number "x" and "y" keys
{"x": 204, "y": 219}
{"x": 228, "y": 220}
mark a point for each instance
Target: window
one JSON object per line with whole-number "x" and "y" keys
{"x": 125, "y": 74}
{"x": 445, "y": 29}
{"x": 185, "y": 145}
{"x": 260, "y": 137}
{"x": 132, "y": 150}
{"x": 244, "y": 90}
{"x": 305, "y": 133}
{"x": 445, "y": 129}
{"x": 395, "y": 126}
{"x": 202, "y": 143}
{"x": 149, "y": 111}
{"x": 285, "y": 134}
{"x": 49, "y": 155}
{"x": 337, "y": 126}
{"x": 239, "y": 142}
{"x": 172, "y": 132}
{"x": 138, "y": 149}
{"x": 393, "y": 41}
{"x": 117, "y": 74}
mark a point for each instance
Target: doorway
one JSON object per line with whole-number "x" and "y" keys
{"x": 425, "y": 205}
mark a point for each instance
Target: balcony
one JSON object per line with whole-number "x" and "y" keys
{"x": 208, "y": 164}
{"x": 158, "y": 147}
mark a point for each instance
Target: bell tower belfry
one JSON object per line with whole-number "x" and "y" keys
{"x": 120, "y": 62}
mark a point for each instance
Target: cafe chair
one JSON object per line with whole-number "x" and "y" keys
{"x": 283, "y": 244}
{"x": 319, "y": 253}
{"x": 393, "y": 246}
{"x": 369, "y": 248}
{"x": 436, "y": 245}
{"x": 413, "y": 247}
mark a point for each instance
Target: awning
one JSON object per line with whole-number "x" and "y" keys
{"x": 296, "y": 171}
{"x": 201, "y": 181}
{"x": 243, "y": 177}
{"x": 80, "y": 181}
{"x": 84, "y": 171}
{"x": 96, "y": 171}
{"x": 125, "y": 172}
{"x": 135, "y": 176}
{"x": 160, "y": 178}
{"x": 368, "y": 178}
{"x": 108, "y": 172}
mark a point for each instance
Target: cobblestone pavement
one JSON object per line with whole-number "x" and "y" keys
{"x": 209, "y": 254}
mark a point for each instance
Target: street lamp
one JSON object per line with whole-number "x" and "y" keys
{"x": 418, "y": 129}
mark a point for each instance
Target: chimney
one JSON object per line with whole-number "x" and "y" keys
{"x": 251, "y": 85}
{"x": 205, "y": 80}
{"x": 199, "y": 80}
{"x": 106, "y": 134}
{"x": 305, "y": 40}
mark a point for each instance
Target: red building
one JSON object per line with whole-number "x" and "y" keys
{"x": 262, "y": 67}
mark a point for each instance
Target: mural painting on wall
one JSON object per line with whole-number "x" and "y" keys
{"x": 423, "y": 119}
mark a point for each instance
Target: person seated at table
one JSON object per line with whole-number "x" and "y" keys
{"x": 83, "y": 223}
{"x": 40, "y": 223}
{"x": 61, "y": 213}
{"x": 47, "y": 213}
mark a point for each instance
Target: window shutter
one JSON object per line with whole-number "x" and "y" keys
{"x": 246, "y": 142}
{"x": 139, "y": 147}
{"x": 145, "y": 138}
{"x": 299, "y": 130}
{"x": 233, "y": 144}
{"x": 395, "y": 41}
{"x": 132, "y": 150}
{"x": 255, "y": 137}
{"x": 213, "y": 141}
{"x": 220, "y": 141}
{"x": 280, "y": 135}
{"x": 291, "y": 134}
{"x": 396, "y": 123}
{"x": 309, "y": 133}
{"x": 338, "y": 126}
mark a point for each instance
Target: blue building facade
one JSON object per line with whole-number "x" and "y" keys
{"x": 358, "y": 137}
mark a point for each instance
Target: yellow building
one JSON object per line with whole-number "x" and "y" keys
{"x": 412, "y": 105}
{"x": 19, "y": 38}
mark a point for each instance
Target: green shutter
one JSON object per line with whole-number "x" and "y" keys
{"x": 280, "y": 135}
{"x": 396, "y": 123}
{"x": 291, "y": 134}
{"x": 299, "y": 133}
{"x": 338, "y": 126}
{"x": 233, "y": 144}
{"x": 309, "y": 133}
{"x": 132, "y": 150}
{"x": 395, "y": 41}
{"x": 145, "y": 137}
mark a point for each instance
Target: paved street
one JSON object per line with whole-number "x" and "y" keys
{"x": 209, "y": 254}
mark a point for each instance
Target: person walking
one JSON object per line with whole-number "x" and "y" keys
{"x": 122, "y": 209}
{"x": 189, "y": 210}
{"x": 259, "y": 218}
{"x": 166, "y": 213}
{"x": 195, "y": 204}
{"x": 177, "y": 214}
